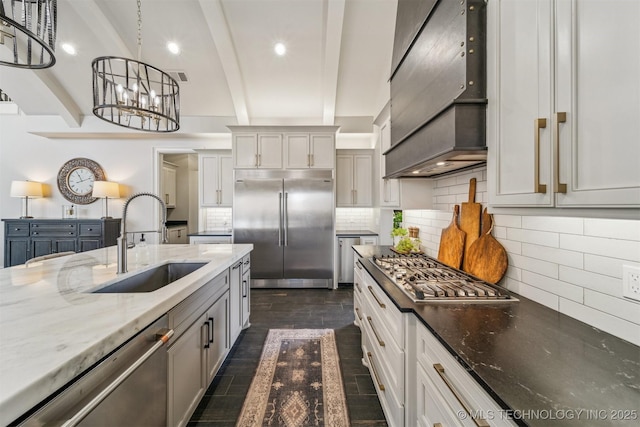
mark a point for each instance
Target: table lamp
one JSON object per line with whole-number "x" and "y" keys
{"x": 26, "y": 189}
{"x": 107, "y": 190}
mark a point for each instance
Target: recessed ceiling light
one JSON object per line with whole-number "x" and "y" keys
{"x": 416, "y": 171}
{"x": 441, "y": 163}
{"x": 173, "y": 48}
{"x": 69, "y": 48}
{"x": 280, "y": 49}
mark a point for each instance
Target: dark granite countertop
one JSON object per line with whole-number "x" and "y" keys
{"x": 345, "y": 233}
{"x": 221, "y": 232}
{"x": 549, "y": 368}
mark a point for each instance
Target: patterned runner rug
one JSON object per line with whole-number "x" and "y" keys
{"x": 298, "y": 382}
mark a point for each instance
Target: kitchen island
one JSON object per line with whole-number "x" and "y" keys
{"x": 53, "y": 328}
{"x": 540, "y": 366}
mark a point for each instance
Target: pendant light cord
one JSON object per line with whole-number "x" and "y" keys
{"x": 139, "y": 31}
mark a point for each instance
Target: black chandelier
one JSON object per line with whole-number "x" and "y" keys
{"x": 133, "y": 94}
{"x": 28, "y": 33}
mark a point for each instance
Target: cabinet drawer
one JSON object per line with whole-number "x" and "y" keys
{"x": 393, "y": 407}
{"x": 382, "y": 308}
{"x": 431, "y": 407}
{"x": 18, "y": 229}
{"x": 53, "y": 229}
{"x": 390, "y": 357}
{"x": 90, "y": 229}
{"x": 246, "y": 264}
{"x": 452, "y": 381}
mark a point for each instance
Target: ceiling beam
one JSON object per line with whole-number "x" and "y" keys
{"x": 102, "y": 27}
{"x": 334, "y": 20}
{"x": 218, "y": 27}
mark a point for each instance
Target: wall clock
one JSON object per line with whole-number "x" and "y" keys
{"x": 76, "y": 178}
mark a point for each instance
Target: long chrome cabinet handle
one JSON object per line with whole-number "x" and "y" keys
{"x": 86, "y": 410}
{"x": 359, "y": 266}
{"x": 375, "y": 373}
{"x": 480, "y": 422}
{"x": 560, "y": 118}
{"x": 382, "y": 305}
{"x": 286, "y": 219}
{"x": 358, "y": 286}
{"x": 280, "y": 205}
{"x": 538, "y": 188}
{"x": 358, "y": 313}
{"x": 380, "y": 342}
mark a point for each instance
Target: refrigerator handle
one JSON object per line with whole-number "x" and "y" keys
{"x": 280, "y": 208}
{"x": 286, "y": 219}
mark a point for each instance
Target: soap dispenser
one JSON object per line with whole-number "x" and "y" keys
{"x": 143, "y": 251}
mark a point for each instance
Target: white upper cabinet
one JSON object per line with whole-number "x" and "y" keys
{"x": 257, "y": 151}
{"x": 389, "y": 188}
{"x": 354, "y": 178}
{"x": 216, "y": 180}
{"x": 564, "y": 103}
{"x": 169, "y": 184}
{"x": 309, "y": 151}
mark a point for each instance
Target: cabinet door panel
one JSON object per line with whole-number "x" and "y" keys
{"x": 219, "y": 342}
{"x": 363, "y": 177}
{"x": 245, "y": 150}
{"x": 226, "y": 181}
{"x": 323, "y": 153}
{"x": 297, "y": 151}
{"x": 17, "y": 252}
{"x": 235, "y": 300}
{"x": 88, "y": 244}
{"x": 209, "y": 184}
{"x": 186, "y": 373}
{"x": 42, "y": 247}
{"x": 598, "y": 86}
{"x": 270, "y": 151}
{"x": 344, "y": 181}
{"x": 519, "y": 90}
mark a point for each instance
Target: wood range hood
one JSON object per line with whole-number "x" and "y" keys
{"x": 438, "y": 88}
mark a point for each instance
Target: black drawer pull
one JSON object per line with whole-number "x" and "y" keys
{"x": 17, "y": 229}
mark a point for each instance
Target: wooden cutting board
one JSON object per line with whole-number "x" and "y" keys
{"x": 486, "y": 258}
{"x": 470, "y": 213}
{"x": 452, "y": 242}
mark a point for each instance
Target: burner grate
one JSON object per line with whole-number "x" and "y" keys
{"x": 425, "y": 279}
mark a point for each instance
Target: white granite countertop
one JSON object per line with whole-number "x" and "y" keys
{"x": 52, "y": 328}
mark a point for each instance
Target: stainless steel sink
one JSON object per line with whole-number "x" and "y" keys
{"x": 153, "y": 279}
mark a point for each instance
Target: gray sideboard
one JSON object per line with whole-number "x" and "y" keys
{"x": 28, "y": 238}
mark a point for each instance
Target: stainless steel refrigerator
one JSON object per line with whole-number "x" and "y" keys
{"x": 288, "y": 216}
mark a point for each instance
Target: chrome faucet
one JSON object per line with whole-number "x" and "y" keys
{"x": 122, "y": 240}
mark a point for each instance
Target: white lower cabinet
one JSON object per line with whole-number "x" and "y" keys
{"x": 446, "y": 393}
{"x": 382, "y": 326}
{"x": 418, "y": 382}
{"x": 178, "y": 235}
{"x": 239, "y": 296}
{"x": 200, "y": 344}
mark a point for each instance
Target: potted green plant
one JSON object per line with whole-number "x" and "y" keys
{"x": 397, "y": 234}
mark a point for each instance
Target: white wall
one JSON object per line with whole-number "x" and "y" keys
{"x": 127, "y": 161}
{"x": 570, "y": 264}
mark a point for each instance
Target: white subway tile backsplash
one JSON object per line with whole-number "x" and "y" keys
{"x": 625, "y": 249}
{"x": 540, "y": 296}
{"x": 555, "y": 224}
{"x": 510, "y": 221}
{"x": 614, "y": 229}
{"x": 543, "y": 238}
{"x": 545, "y": 268}
{"x": 556, "y": 287}
{"x": 559, "y": 256}
{"x": 570, "y": 264}
{"x": 606, "y": 265}
{"x": 604, "y": 321}
{"x": 588, "y": 280}
{"x": 624, "y": 308}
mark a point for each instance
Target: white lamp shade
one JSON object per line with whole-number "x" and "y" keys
{"x": 26, "y": 189}
{"x": 106, "y": 189}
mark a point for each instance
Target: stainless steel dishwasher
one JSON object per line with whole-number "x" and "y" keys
{"x": 345, "y": 258}
{"x": 127, "y": 388}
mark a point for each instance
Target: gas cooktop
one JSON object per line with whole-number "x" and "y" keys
{"x": 425, "y": 279}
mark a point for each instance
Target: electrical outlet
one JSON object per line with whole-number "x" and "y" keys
{"x": 631, "y": 282}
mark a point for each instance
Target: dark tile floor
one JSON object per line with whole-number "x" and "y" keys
{"x": 292, "y": 309}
